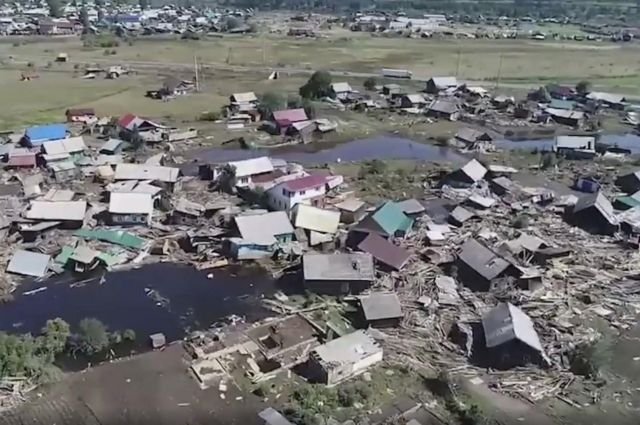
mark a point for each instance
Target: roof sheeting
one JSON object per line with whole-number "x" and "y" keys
{"x": 317, "y": 219}
{"x": 42, "y": 133}
{"x": 474, "y": 170}
{"x": 600, "y": 202}
{"x": 61, "y": 211}
{"x": 247, "y": 97}
{"x": 507, "y": 322}
{"x": 65, "y": 146}
{"x": 263, "y": 228}
{"x": 146, "y": 172}
{"x": 58, "y": 195}
{"x": 379, "y": 306}
{"x": 384, "y": 251}
{"x": 411, "y": 206}
{"x": 444, "y": 82}
{"x": 111, "y": 145}
{"x": 117, "y": 237}
{"x": 271, "y": 416}
{"x": 390, "y": 219}
{"x": 342, "y": 87}
{"x": 347, "y": 349}
{"x": 130, "y": 203}
{"x": 290, "y": 115}
{"x": 357, "y": 266}
{"x": 253, "y": 166}
{"x": 444, "y": 106}
{"x": 350, "y": 205}
{"x": 575, "y": 142}
{"x": 612, "y": 98}
{"x": 28, "y": 263}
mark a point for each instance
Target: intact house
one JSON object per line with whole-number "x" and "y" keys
{"x": 594, "y": 213}
{"x": 130, "y": 208}
{"x": 246, "y": 170}
{"x": 172, "y": 87}
{"x": 392, "y": 90}
{"x": 285, "y": 118}
{"x": 63, "y": 171}
{"x": 83, "y": 115}
{"x": 341, "y": 91}
{"x": 510, "y": 339}
{"x": 306, "y": 190}
{"x": 437, "y": 84}
{"x": 260, "y": 235}
{"x": 479, "y": 266}
{"x": 112, "y": 147}
{"x": 388, "y": 220}
{"x": 413, "y": 101}
{"x": 444, "y": 109}
{"x": 380, "y": 310}
{"x": 316, "y": 220}
{"x": 575, "y": 147}
{"x": 338, "y": 274}
{"x": 36, "y": 136}
{"x": 64, "y": 148}
{"x": 69, "y": 214}
{"x": 164, "y": 177}
{"x": 343, "y": 358}
{"x": 243, "y": 102}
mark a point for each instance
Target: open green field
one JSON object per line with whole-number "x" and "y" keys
{"x": 237, "y": 64}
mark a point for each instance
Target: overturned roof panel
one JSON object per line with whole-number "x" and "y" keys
{"x": 353, "y": 267}
{"x": 66, "y": 210}
{"x": 347, "y": 349}
{"x": 146, "y": 172}
{"x": 130, "y": 203}
{"x": 28, "y": 263}
{"x": 379, "y": 306}
{"x": 482, "y": 260}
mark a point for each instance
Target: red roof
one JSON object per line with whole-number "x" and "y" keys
{"x": 78, "y": 112}
{"x": 22, "y": 160}
{"x": 290, "y": 115}
{"x": 304, "y": 183}
{"x": 125, "y": 120}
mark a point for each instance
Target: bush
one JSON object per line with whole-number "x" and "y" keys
{"x": 209, "y": 116}
{"x": 370, "y": 83}
{"x": 520, "y": 222}
{"x": 114, "y": 52}
{"x": 92, "y": 336}
{"x": 129, "y": 335}
{"x": 589, "y": 358}
{"x": 548, "y": 160}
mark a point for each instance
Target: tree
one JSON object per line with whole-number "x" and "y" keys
{"x": 55, "y": 8}
{"x": 144, "y": 4}
{"x": 319, "y": 85}
{"x": 92, "y": 336}
{"x": 270, "y": 102}
{"x": 55, "y": 335}
{"x": 370, "y": 83}
{"x": 227, "y": 180}
{"x": 136, "y": 139}
{"x": 231, "y": 23}
{"x": 583, "y": 87}
{"x": 84, "y": 17}
{"x": 129, "y": 335}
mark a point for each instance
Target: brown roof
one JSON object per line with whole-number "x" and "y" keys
{"x": 384, "y": 251}
{"x": 75, "y": 112}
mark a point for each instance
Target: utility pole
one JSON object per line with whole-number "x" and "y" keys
{"x": 499, "y": 72}
{"x": 458, "y": 63}
{"x": 195, "y": 68}
{"x": 228, "y": 61}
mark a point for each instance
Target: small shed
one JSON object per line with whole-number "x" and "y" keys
{"x": 479, "y": 266}
{"x": 158, "y": 340}
{"x": 472, "y": 172}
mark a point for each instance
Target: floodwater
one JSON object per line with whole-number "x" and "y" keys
{"x": 167, "y": 298}
{"x": 383, "y": 147}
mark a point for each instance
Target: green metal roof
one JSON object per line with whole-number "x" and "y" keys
{"x": 65, "y": 255}
{"x": 391, "y": 218}
{"x": 562, "y": 104}
{"x": 117, "y": 237}
{"x": 629, "y": 201}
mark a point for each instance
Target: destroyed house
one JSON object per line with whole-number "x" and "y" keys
{"x": 260, "y": 234}
{"x": 388, "y": 220}
{"x": 187, "y": 212}
{"x": 510, "y": 338}
{"x": 576, "y": 147}
{"x": 351, "y": 210}
{"x": 285, "y": 118}
{"x": 479, "y": 266}
{"x": 36, "y": 136}
{"x": 444, "y": 109}
{"x": 248, "y": 98}
{"x": 271, "y": 416}
{"x": 594, "y": 213}
{"x": 560, "y": 92}
{"x": 338, "y": 274}
{"x": 614, "y": 101}
{"x": 129, "y": 124}
{"x": 629, "y": 183}
{"x": 166, "y": 177}
{"x": 386, "y": 254}
{"x": 380, "y": 310}
{"x": 315, "y": 219}
{"x": 70, "y": 214}
{"x": 472, "y": 172}
{"x": 83, "y": 259}
{"x": 175, "y": 87}
{"x": 341, "y": 91}
{"x": 471, "y": 136}
{"x": 64, "y": 147}
{"x": 22, "y": 158}
{"x": 570, "y": 118}
{"x": 437, "y": 84}
{"x": 130, "y": 208}
{"x": 343, "y": 358}
{"x": 28, "y": 263}
{"x": 80, "y": 114}
{"x": 413, "y": 101}
{"x": 112, "y": 147}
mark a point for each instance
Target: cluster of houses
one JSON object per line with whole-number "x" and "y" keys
{"x": 21, "y": 20}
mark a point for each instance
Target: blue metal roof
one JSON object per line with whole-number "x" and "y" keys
{"x": 44, "y": 133}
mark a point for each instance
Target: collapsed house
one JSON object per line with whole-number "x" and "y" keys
{"x": 380, "y": 310}
{"x": 437, "y": 84}
{"x": 479, "y": 266}
{"x": 594, "y": 213}
{"x": 388, "y": 220}
{"x": 260, "y": 234}
{"x": 575, "y": 147}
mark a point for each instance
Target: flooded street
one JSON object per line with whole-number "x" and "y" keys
{"x": 625, "y": 141}
{"x": 167, "y": 298}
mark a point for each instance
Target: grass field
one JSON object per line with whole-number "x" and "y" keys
{"x": 524, "y": 64}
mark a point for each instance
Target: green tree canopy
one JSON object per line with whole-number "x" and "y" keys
{"x": 583, "y": 87}
{"x": 370, "y": 83}
{"x": 55, "y": 8}
{"x": 55, "y": 335}
{"x": 319, "y": 85}
{"x": 92, "y": 335}
{"x": 270, "y": 102}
